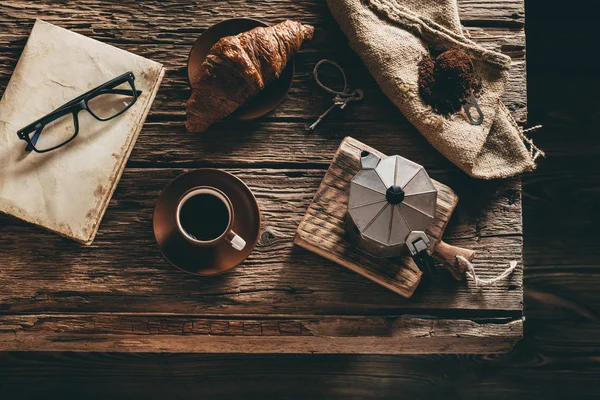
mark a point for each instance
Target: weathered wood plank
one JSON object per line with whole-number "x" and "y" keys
{"x": 557, "y": 361}
{"x": 123, "y": 269}
{"x": 276, "y": 143}
{"x": 562, "y": 293}
{"x": 107, "y": 280}
{"x": 304, "y": 102}
{"x": 101, "y": 375}
{"x": 568, "y": 189}
{"x": 546, "y": 251}
{"x": 562, "y": 255}
{"x": 562, "y": 276}
{"x": 475, "y": 12}
{"x": 126, "y": 333}
{"x": 543, "y": 336}
{"x": 191, "y": 16}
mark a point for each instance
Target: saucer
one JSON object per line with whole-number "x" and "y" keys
{"x": 205, "y": 261}
{"x": 270, "y": 96}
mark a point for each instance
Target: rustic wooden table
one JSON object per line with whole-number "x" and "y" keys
{"x": 120, "y": 294}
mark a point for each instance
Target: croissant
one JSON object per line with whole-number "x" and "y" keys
{"x": 239, "y": 67}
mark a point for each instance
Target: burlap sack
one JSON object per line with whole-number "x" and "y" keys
{"x": 392, "y": 36}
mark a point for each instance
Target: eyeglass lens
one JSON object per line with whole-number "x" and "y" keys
{"x": 54, "y": 133}
{"x": 110, "y": 102}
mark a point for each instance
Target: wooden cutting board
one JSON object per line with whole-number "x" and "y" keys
{"x": 323, "y": 228}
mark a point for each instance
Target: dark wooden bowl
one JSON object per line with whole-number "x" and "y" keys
{"x": 267, "y": 99}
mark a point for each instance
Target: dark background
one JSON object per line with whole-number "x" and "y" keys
{"x": 560, "y": 354}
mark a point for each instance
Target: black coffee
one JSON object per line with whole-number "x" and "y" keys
{"x": 204, "y": 217}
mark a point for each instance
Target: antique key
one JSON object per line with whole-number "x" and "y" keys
{"x": 341, "y": 99}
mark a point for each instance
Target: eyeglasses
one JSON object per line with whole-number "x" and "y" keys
{"x": 58, "y": 128}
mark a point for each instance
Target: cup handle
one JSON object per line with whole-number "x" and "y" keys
{"x": 235, "y": 241}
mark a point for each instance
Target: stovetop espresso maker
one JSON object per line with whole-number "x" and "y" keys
{"x": 392, "y": 201}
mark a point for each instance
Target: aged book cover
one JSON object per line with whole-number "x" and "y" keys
{"x": 67, "y": 190}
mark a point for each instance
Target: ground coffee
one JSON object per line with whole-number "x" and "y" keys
{"x": 446, "y": 83}
{"x": 391, "y": 37}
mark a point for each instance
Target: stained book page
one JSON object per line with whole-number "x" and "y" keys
{"x": 68, "y": 189}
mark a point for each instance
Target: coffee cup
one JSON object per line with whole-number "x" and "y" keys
{"x": 205, "y": 218}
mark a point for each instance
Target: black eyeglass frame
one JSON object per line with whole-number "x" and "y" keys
{"x": 75, "y": 106}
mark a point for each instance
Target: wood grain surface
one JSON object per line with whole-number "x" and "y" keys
{"x": 558, "y": 357}
{"x": 124, "y": 273}
{"x": 371, "y": 335}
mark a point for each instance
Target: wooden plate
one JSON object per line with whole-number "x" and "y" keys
{"x": 205, "y": 261}
{"x": 267, "y": 99}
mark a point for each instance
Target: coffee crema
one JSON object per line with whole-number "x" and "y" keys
{"x": 204, "y": 217}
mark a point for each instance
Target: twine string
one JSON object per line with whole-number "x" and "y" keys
{"x": 534, "y": 151}
{"x": 479, "y": 282}
{"x": 341, "y": 98}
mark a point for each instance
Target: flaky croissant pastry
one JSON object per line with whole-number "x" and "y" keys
{"x": 239, "y": 67}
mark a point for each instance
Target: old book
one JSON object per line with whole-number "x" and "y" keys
{"x": 67, "y": 190}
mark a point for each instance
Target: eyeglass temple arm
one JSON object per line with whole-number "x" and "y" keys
{"x": 120, "y": 91}
{"x": 83, "y": 96}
